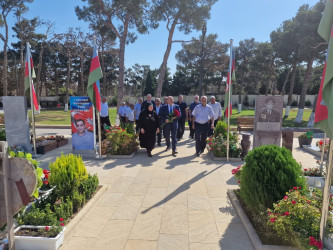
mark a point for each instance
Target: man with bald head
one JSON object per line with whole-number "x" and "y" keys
{"x": 146, "y": 102}
{"x": 200, "y": 122}
{"x": 217, "y": 111}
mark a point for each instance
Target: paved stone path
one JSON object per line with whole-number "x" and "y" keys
{"x": 163, "y": 202}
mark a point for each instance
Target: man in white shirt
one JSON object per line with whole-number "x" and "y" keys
{"x": 105, "y": 113}
{"x": 217, "y": 113}
{"x": 121, "y": 112}
{"x": 130, "y": 114}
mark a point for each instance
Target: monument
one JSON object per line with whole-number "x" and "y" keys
{"x": 17, "y": 122}
{"x": 268, "y": 121}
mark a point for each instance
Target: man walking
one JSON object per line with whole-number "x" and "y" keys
{"x": 217, "y": 111}
{"x": 183, "y": 118}
{"x": 146, "y": 102}
{"x": 200, "y": 122}
{"x": 171, "y": 124}
{"x": 130, "y": 114}
{"x": 121, "y": 112}
{"x": 190, "y": 117}
{"x": 105, "y": 113}
{"x": 137, "y": 111}
{"x": 157, "y": 108}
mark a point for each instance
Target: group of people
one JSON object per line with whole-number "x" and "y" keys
{"x": 154, "y": 117}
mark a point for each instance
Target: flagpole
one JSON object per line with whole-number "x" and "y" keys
{"x": 99, "y": 133}
{"x": 326, "y": 193}
{"x": 31, "y": 101}
{"x": 322, "y": 154}
{"x": 229, "y": 97}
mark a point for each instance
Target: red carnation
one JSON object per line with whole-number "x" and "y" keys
{"x": 46, "y": 182}
{"x": 46, "y": 176}
{"x": 61, "y": 219}
{"x": 286, "y": 197}
{"x": 286, "y": 213}
{"x": 273, "y": 219}
{"x": 294, "y": 188}
{"x": 47, "y": 228}
{"x": 293, "y": 202}
{"x": 176, "y": 112}
{"x": 62, "y": 224}
{"x": 44, "y": 171}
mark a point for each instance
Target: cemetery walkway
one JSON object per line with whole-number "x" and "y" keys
{"x": 163, "y": 202}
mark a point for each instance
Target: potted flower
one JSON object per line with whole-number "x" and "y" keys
{"x": 320, "y": 144}
{"x": 305, "y": 139}
{"x": 39, "y": 237}
{"x": 314, "y": 177}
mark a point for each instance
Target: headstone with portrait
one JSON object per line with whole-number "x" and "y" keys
{"x": 268, "y": 121}
{"x": 17, "y": 122}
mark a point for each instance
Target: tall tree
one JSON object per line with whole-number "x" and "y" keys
{"x": 186, "y": 15}
{"x": 121, "y": 17}
{"x": 7, "y": 7}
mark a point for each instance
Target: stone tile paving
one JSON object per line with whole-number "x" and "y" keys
{"x": 163, "y": 202}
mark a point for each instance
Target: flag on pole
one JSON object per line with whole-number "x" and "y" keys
{"x": 95, "y": 74}
{"x": 324, "y": 109}
{"x": 231, "y": 73}
{"x": 28, "y": 76}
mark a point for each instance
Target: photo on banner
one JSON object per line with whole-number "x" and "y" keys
{"x": 82, "y": 123}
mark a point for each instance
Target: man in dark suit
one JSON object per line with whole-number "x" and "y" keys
{"x": 146, "y": 102}
{"x": 171, "y": 126}
{"x": 269, "y": 113}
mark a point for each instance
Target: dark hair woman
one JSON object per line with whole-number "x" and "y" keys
{"x": 149, "y": 124}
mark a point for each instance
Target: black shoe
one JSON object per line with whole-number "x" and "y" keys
{"x": 159, "y": 144}
{"x": 150, "y": 155}
{"x": 168, "y": 148}
{"x": 174, "y": 152}
{"x": 198, "y": 154}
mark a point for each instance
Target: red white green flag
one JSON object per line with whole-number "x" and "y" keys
{"x": 28, "y": 76}
{"x": 231, "y": 74}
{"x": 324, "y": 108}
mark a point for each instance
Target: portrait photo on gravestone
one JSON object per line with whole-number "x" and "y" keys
{"x": 82, "y": 123}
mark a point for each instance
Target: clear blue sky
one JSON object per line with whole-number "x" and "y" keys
{"x": 237, "y": 19}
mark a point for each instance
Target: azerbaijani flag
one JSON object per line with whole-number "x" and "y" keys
{"x": 95, "y": 74}
{"x": 324, "y": 109}
{"x": 28, "y": 76}
{"x": 231, "y": 73}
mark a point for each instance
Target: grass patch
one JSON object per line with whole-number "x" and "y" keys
{"x": 60, "y": 117}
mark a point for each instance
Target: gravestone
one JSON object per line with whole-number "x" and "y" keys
{"x": 268, "y": 121}
{"x": 16, "y": 121}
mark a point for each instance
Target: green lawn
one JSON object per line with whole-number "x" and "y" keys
{"x": 59, "y": 117}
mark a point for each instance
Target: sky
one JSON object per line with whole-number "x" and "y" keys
{"x": 230, "y": 19}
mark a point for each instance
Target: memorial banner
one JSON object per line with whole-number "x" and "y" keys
{"x": 82, "y": 123}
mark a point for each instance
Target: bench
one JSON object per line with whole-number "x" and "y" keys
{"x": 245, "y": 123}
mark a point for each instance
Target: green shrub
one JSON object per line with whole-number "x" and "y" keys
{"x": 294, "y": 104}
{"x": 308, "y": 103}
{"x": 67, "y": 173}
{"x": 269, "y": 172}
{"x": 78, "y": 200}
{"x": 38, "y": 217}
{"x": 2, "y": 135}
{"x": 64, "y": 209}
{"x": 89, "y": 186}
{"x": 221, "y": 129}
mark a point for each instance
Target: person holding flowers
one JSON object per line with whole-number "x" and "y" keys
{"x": 169, "y": 118}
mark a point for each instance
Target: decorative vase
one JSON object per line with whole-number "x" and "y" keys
{"x": 304, "y": 141}
{"x": 38, "y": 243}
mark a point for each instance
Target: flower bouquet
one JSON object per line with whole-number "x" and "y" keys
{"x": 320, "y": 144}
{"x": 175, "y": 114}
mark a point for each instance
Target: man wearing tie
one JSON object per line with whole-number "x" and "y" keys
{"x": 170, "y": 125}
{"x": 157, "y": 108}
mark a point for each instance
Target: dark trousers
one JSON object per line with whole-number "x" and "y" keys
{"x": 137, "y": 126}
{"x": 201, "y": 133}
{"x": 105, "y": 120}
{"x": 181, "y": 127}
{"x": 159, "y": 137}
{"x": 191, "y": 129}
{"x": 211, "y": 131}
{"x": 122, "y": 121}
{"x": 168, "y": 129}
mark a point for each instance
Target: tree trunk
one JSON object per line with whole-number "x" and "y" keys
{"x": 39, "y": 71}
{"x": 122, "y": 44}
{"x": 285, "y": 82}
{"x": 305, "y": 86}
{"x": 165, "y": 60}
{"x": 81, "y": 87}
{"x": 22, "y": 69}
{"x": 56, "y": 81}
{"x": 5, "y": 62}
{"x": 68, "y": 79}
{"x": 292, "y": 83}
{"x": 312, "y": 116}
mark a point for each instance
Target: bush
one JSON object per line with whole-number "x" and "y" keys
{"x": 308, "y": 103}
{"x": 38, "y": 217}
{"x": 294, "y": 104}
{"x": 67, "y": 173}
{"x": 296, "y": 218}
{"x": 269, "y": 172}
{"x": 64, "y": 209}
{"x": 119, "y": 142}
{"x": 89, "y": 186}
{"x": 218, "y": 145}
{"x": 2, "y": 135}
{"x": 221, "y": 129}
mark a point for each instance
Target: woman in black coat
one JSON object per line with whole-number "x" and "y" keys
{"x": 149, "y": 124}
